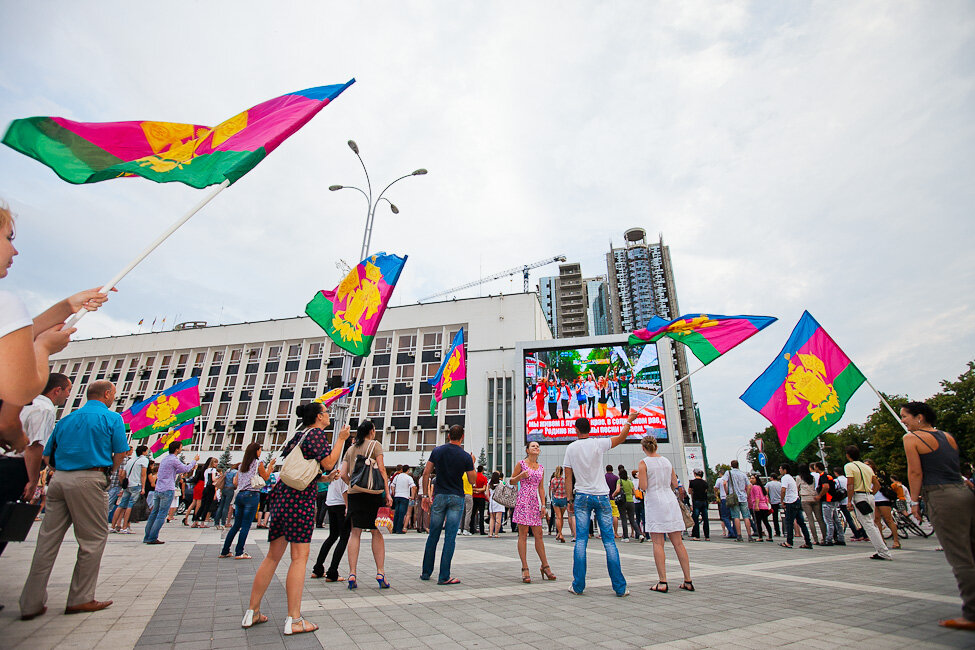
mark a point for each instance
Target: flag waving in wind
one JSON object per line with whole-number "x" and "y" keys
{"x": 167, "y": 410}
{"x": 350, "y": 313}
{"x": 164, "y": 152}
{"x": 180, "y": 434}
{"x": 807, "y": 387}
{"x": 334, "y": 394}
{"x": 707, "y": 336}
{"x": 451, "y": 378}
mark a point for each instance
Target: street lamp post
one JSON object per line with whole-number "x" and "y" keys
{"x": 344, "y": 405}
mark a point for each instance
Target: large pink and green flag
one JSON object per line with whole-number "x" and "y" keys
{"x": 351, "y": 312}
{"x": 451, "y": 378}
{"x": 807, "y": 387}
{"x": 167, "y": 410}
{"x": 706, "y": 336}
{"x": 89, "y": 152}
{"x": 181, "y": 433}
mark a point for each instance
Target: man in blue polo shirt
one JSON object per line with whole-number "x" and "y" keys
{"x": 451, "y": 463}
{"x": 85, "y": 447}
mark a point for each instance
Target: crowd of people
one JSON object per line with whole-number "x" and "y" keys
{"x": 586, "y": 396}
{"x": 95, "y": 483}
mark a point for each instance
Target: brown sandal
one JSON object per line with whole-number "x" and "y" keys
{"x": 526, "y": 575}
{"x": 547, "y": 573}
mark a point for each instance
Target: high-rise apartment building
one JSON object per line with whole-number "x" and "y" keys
{"x": 572, "y": 303}
{"x": 549, "y": 299}
{"x": 641, "y": 285}
{"x": 597, "y": 300}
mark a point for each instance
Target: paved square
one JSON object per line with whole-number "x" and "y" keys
{"x": 180, "y": 595}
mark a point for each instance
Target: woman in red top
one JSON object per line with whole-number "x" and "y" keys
{"x": 540, "y": 392}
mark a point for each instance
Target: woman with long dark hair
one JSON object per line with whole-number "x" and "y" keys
{"x": 203, "y": 492}
{"x": 246, "y": 500}
{"x": 495, "y": 509}
{"x": 293, "y": 519}
{"x": 364, "y": 504}
{"x": 759, "y": 505}
{"x": 198, "y": 485}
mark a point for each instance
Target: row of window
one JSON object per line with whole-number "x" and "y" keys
{"x": 423, "y": 440}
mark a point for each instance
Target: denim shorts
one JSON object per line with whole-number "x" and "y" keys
{"x": 560, "y": 503}
{"x": 739, "y": 511}
{"x": 129, "y": 496}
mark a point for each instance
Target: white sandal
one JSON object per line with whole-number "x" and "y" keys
{"x": 253, "y": 617}
{"x": 296, "y": 626}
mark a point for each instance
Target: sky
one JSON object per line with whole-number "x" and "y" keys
{"x": 794, "y": 155}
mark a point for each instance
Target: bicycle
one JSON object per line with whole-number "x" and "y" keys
{"x": 905, "y": 525}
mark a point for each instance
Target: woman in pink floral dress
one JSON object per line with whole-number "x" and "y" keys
{"x": 530, "y": 509}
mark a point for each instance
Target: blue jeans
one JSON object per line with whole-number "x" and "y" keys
{"x": 585, "y": 505}
{"x": 223, "y": 508}
{"x": 793, "y": 515}
{"x": 161, "y": 499}
{"x": 701, "y": 513}
{"x": 445, "y": 515}
{"x": 246, "y": 503}
{"x": 726, "y": 518}
{"x": 113, "y": 501}
{"x": 400, "y": 504}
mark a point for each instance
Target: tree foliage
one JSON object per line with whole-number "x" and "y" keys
{"x": 880, "y": 436}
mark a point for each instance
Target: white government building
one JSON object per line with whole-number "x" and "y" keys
{"x": 252, "y": 375}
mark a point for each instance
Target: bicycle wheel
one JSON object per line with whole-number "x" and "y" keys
{"x": 914, "y": 528}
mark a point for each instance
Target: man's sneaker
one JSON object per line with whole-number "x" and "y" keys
{"x": 624, "y": 594}
{"x": 626, "y": 540}
{"x": 739, "y": 539}
{"x": 878, "y": 556}
{"x": 574, "y": 592}
{"x": 126, "y": 531}
{"x": 466, "y": 534}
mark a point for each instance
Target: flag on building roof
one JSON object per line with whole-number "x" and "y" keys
{"x": 806, "y": 388}
{"x": 334, "y": 394}
{"x": 451, "y": 378}
{"x": 180, "y": 433}
{"x": 351, "y": 312}
{"x": 89, "y": 152}
{"x": 162, "y": 412}
{"x": 707, "y": 336}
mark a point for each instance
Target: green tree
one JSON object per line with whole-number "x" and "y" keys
{"x": 224, "y": 462}
{"x": 955, "y": 406}
{"x": 720, "y": 469}
{"x": 482, "y": 458}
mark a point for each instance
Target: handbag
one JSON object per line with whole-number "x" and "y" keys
{"x": 16, "y": 519}
{"x": 685, "y": 513}
{"x": 505, "y": 495}
{"x": 862, "y": 507}
{"x": 384, "y": 519}
{"x": 298, "y": 472}
{"x": 366, "y": 477}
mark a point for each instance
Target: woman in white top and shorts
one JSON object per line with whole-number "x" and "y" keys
{"x": 663, "y": 515}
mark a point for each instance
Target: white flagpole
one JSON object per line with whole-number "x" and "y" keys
{"x": 887, "y": 404}
{"x": 673, "y": 385}
{"x": 71, "y": 322}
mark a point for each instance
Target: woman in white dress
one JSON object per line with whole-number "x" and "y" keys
{"x": 495, "y": 509}
{"x": 663, "y": 516}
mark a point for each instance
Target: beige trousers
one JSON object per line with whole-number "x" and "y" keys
{"x": 78, "y": 498}
{"x": 952, "y": 511}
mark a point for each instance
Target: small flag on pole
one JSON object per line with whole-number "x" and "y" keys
{"x": 334, "y": 394}
{"x": 451, "y": 378}
{"x": 351, "y": 312}
{"x": 807, "y": 387}
{"x": 164, "y": 411}
{"x": 181, "y": 433}
{"x": 706, "y": 336}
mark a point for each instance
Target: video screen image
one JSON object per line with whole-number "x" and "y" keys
{"x": 599, "y": 383}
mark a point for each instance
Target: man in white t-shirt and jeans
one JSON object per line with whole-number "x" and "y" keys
{"x": 404, "y": 489}
{"x": 793, "y": 508}
{"x": 588, "y": 493}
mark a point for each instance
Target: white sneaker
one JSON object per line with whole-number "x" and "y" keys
{"x": 466, "y": 534}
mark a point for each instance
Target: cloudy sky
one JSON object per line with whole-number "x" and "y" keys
{"x": 795, "y": 155}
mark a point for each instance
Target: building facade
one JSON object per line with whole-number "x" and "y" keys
{"x": 572, "y": 304}
{"x": 641, "y": 284}
{"x": 253, "y": 375}
{"x": 548, "y": 298}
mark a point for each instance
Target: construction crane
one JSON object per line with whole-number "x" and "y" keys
{"x": 524, "y": 269}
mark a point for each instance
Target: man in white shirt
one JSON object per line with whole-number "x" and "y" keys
{"x": 403, "y": 490}
{"x": 738, "y": 482}
{"x": 793, "y": 509}
{"x": 584, "y": 479}
{"x": 721, "y": 492}
{"x": 858, "y": 533}
{"x": 19, "y": 472}
{"x": 775, "y": 499}
{"x": 135, "y": 473}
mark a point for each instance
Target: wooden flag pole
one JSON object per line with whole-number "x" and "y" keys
{"x": 71, "y": 322}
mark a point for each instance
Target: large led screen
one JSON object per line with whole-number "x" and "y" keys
{"x": 599, "y": 383}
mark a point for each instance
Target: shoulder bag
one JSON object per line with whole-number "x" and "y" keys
{"x": 862, "y": 506}
{"x": 685, "y": 512}
{"x": 731, "y": 500}
{"x": 366, "y": 476}
{"x": 505, "y": 495}
{"x": 298, "y": 472}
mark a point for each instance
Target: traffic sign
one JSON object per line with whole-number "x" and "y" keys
{"x": 762, "y": 459}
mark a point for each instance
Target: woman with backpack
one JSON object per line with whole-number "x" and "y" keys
{"x": 293, "y": 519}
{"x": 367, "y": 494}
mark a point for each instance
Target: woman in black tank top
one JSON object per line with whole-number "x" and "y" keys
{"x": 934, "y": 473}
